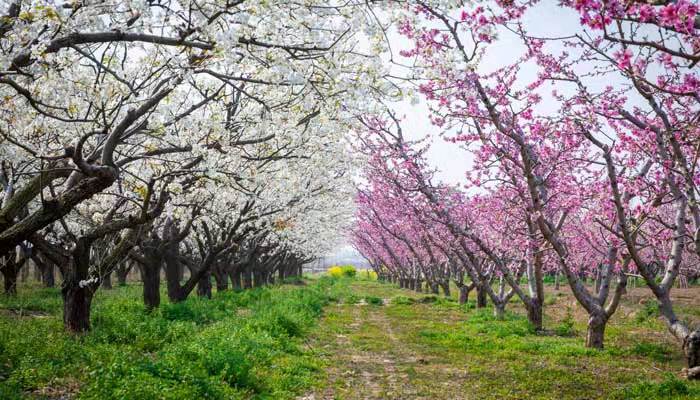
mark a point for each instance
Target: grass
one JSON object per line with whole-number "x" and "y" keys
{"x": 248, "y": 344}
{"x": 419, "y": 346}
{"x": 373, "y": 341}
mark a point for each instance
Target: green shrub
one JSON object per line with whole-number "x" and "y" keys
{"x": 428, "y": 299}
{"x": 340, "y": 271}
{"x": 566, "y": 326}
{"x": 367, "y": 275}
{"x": 446, "y": 302}
{"x": 374, "y": 300}
{"x": 483, "y": 321}
{"x": 671, "y": 387}
{"x": 349, "y": 271}
{"x": 649, "y": 310}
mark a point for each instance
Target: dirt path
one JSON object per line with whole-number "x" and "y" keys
{"x": 426, "y": 350}
{"x": 370, "y": 356}
{"x": 367, "y": 358}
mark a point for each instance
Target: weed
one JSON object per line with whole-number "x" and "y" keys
{"x": 650, "y": 309}
{"x": 374, "y": 300}
{"x": 351, "y": 299}
{"x": 566, "y": 326}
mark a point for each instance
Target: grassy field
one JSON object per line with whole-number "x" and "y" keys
{"x": 236, "y": 345}
{"x": 334, "y": 339}
{"x": 417, "y": 346}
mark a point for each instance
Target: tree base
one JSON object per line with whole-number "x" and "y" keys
{"x": 76, "y": 308}
{"x": 692, "y": 373}
{"x": 595, "y": 336}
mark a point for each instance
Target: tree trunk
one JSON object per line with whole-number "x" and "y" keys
{"x": 172, "y": 276}
{"x": 9, "y": 273}
{"x": 37, "y": 271}
{"x": 596, "y": 332}
{"x": 556, "y": 280}
{"x": 150, "y": 275}
{"x": 204, "y": 285}
{"x": 499, "y": 311}
{"x": 221, "y": 278}
{"x": 235, "y": 276}
{"x": 434, "y": 288}
{"x": 24, "y": 275}
{"x": 534, "y": 314}
{"x": 481, "y": 298}
{"x": 46, "y": 268}
{"x": 77, "y": 292}
{"x": 180, "y": 272}
{"x": 247, "y": 278}
{"x": 463, "y": 294}
{"x": 107, "y": 281}
{"x": 419, "y": 286}
{"x": 48, "y": 276}
{"x": 76, "y": 308}
{"x": 691, "y": 347}
{"x": 257, "y": 279}
{"x": 445, "y": 288}
{"x": 122, "y": 272}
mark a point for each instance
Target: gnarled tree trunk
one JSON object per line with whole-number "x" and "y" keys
{"x": 481, "y": 297}
{"x": 691, "y": 348}
{"x": 534, "y": 313}
{"x": 204, "y": 285}
{"x": 107, "y": 281}
{"x": 150, "y": 275}
{"x": 235, "y": 276}
{"x": 122, "y": 273}
{"x": 247, "y": 277}
{"x": 596, "y": 331}
{"x": 77, "y": 290}
{"x": 464, "y": 293}
{"x": 445, "y": 288}
{"x": 434, "y": 288}
{"x": 221, "y": 277}
{"x": 46, "y": 269}
{"x": 10, "y": 271}
{"x": 499, "y": 310}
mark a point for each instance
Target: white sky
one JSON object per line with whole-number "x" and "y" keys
{"x": 546, "y": 19}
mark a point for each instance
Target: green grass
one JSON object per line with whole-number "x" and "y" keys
{"x": 419, "y": 346}
{"x": 268, "y": 344}
{"x": 248, "y": 344}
